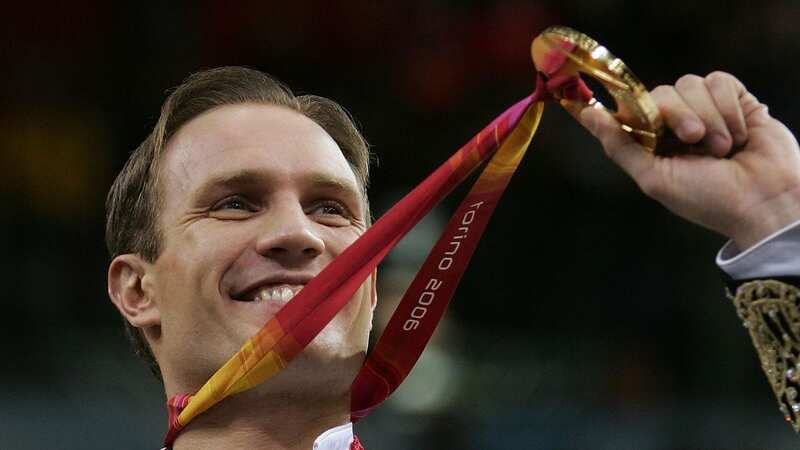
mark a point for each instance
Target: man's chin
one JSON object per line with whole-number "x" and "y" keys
{"x": 306, "y": 377}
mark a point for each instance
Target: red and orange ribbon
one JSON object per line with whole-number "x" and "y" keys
{"x": 504, "y": 142}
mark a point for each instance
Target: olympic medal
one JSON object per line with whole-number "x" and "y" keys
{"x": 635, "y": 109}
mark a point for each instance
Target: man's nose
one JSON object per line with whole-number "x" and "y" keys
{"x": 289, "y": 236}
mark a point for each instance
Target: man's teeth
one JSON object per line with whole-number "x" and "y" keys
{"x": 282, "y": 293}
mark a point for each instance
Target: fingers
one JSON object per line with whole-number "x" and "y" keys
{"x": 695, "y": 93}
{"x": 715, "y": 111}
{"x": 711, "y": 109}
{"x": 678, "y": 115}
{"x": 728, "y": 93}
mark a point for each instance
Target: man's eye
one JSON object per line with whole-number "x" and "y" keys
{"x": 330, "y": 208}
{"x": 233, "y": 203}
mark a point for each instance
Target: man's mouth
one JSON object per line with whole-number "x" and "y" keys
{"x": 271, "y": 293}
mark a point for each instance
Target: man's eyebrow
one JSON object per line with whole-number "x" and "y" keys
{"x": 248, "y": 178}
{"x": 239, "y": 179}
{"x": 326, "y": 181}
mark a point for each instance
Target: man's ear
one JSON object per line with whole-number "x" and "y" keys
{"x": 125, "y": 275}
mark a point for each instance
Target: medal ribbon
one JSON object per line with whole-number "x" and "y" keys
{"x": 505, "y": 141}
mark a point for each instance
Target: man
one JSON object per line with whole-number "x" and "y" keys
{"x": 239, "y": 197}
{"x": 243, "y": 192}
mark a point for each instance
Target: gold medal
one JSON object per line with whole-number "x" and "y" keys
{"x": 635, "y": 109}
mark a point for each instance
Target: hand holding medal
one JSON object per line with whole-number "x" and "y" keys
{"x": 705, "y": 148}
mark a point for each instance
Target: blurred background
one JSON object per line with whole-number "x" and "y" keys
{"x": 591, "y": 318}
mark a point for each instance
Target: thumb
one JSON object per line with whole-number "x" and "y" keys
{"x": 620, "y": 146}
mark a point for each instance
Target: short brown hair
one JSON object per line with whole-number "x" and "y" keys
{"x": 133, "y": 200}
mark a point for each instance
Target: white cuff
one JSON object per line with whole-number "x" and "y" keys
{"x": 776, "y": 255}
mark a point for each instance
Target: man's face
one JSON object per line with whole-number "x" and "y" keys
{"x": 257, "y": 199}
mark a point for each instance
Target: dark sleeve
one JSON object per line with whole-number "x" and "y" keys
{"x": 770, "y": 311}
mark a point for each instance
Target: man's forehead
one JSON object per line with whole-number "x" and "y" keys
{"x": 259, "y": 138}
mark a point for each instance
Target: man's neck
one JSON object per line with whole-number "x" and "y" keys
{"x": 276, "y": 422}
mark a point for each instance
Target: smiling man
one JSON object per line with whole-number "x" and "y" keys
{"x": 240, "y": 196}
{"x": 244, "y": 192}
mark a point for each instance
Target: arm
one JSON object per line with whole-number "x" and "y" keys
{"x": 742, "y": 180}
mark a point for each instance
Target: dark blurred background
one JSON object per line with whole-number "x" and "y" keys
{"x": 591, "y": 318}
